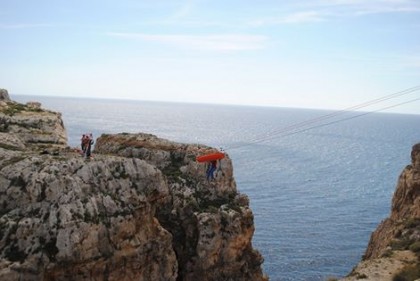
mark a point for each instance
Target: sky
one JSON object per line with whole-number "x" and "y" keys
{"x": 329, "y": 54}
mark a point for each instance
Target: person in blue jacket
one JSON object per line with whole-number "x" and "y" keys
{"x": 211, "y": 169}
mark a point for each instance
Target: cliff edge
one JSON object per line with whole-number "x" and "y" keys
{"x": 141, "y": 209}
{"x": 393, "y": 251}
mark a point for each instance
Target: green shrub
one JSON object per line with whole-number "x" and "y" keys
{"x": 409, "y": 273}
{"x": 14, "y": 108}
{"x": 402, "y": 244}
{"x": 388, "y": 253}
{"x": 412, "y": 223}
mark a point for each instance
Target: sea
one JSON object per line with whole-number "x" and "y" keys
{"x": 318, "y": 186}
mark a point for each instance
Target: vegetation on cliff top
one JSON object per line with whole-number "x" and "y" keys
{"x": 13, "y": 108}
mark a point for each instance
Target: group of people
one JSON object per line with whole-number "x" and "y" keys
{"x": 86, "y": 144}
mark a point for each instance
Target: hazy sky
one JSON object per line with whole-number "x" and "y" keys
{"x": 314, "y": 53}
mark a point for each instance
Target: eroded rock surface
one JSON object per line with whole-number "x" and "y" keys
{"x": 395, "y": 245}
{"x": 4, "y": 95}
{"x": 140, "y": 209}
{"x": 211, "y": 223}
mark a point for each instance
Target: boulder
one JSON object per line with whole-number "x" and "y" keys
{"x": 4, "y": 95}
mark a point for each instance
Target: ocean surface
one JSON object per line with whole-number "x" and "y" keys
{"x": 316, "y": 195}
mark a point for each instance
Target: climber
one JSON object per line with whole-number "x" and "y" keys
{"x": 211, "y": 168}
{"x": 211, "y": 160}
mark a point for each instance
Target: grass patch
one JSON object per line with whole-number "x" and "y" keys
{"x": 14, "y": 108}
{"x": 401, "y": 245}
{"x": 415, "y": 247}
{"x": 407, "y": 238}
{"x": 173, "y": 170}
{"x": 412, "y": 223}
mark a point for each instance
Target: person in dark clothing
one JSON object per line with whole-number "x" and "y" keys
{"x": 83, "y": 142}
{"x": 211, "y": 169}
{"x": 87, "y": 142}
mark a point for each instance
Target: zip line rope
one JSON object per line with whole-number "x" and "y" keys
{"x": 337, "y": 121}
{"x": 291, "y": 129}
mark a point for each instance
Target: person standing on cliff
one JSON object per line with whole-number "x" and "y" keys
{"x": 211, "y": 169}
{"x": 83, "y": 142}
{"x": 87, "y": 142}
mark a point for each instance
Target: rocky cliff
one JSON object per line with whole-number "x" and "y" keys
{"x": 394, "y": 248}
{"x": 141, "y": 209}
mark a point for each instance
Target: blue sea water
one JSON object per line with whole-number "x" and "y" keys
{"x": 316, "y": 195}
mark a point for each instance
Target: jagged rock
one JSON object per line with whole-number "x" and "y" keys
{"x": 415, "y": 156}
{"x": 4, "y": 95}
{"x": 34, "y": 105}
{"x": 211, "y": 223}
{"x": 405, "y": 209}
{"x": 389, "y": 247}
{"x": 70, "y": 219}
{"x": 141, "y": 209}
{"x": 11, "y": 142}
{"x": 32, "y": 125}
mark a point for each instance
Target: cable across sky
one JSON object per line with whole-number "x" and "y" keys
{"x": 314, "y": 123}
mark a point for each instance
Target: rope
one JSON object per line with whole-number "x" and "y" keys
{"x": 291, "y": 129}
{"x": 338, "y": 121}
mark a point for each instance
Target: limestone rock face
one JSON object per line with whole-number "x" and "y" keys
{"x": 393, "y": 244}
{"x": 31, "y": 124}
{"x": 210, "y": 222}
{"x": 141, "y": 209}
{"x": 4, "y": 95}
{"x": 63, "y": 218}
{"x": 405, "y": 212}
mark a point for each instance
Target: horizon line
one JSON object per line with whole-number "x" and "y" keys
{"x": 381, "y": 110}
